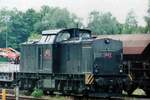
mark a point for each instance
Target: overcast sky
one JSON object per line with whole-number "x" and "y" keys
{"x": 82, "y": 8}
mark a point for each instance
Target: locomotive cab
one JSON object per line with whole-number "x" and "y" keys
{"x": 69, "y": 51}
{"x": 47, "y": 55}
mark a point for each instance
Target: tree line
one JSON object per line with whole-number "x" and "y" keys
{"x": 17, "y": 26}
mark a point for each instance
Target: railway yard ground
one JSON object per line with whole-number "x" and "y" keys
{"x": 11, "y": 96}
{"x": 9, "y": 67}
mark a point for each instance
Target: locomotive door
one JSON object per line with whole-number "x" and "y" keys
{"x": 87, "y": 58}
{"x": 40, "y": 65}
{"x": 45, "y": 58}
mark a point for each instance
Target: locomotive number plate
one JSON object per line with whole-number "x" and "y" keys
{"x": 107, "y": 55}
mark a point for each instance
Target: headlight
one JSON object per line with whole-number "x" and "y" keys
{"x": 121, "y": 70}
{"x": 107, "y": 41}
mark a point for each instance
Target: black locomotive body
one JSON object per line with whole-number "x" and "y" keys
{"x": 71, "y": 61}
{"x": 107, "y": 65}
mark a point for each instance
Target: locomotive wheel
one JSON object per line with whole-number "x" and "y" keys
{"x": 147, "y": 92}
{"x": 28, "y": 92}
{"x": 48, "y": 92}
{"x": 131, "y": 89}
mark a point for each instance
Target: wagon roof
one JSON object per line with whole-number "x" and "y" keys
{"x": 132, "y": 43}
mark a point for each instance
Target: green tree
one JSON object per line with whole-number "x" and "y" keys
{"x": 30, "y": 17}
{"x": 52, "y": 18}
{"x": 12, "y": 23}
{"x": 147, "y": 19}
{"x": 4, "y": 26}
{"x": 22, "y": 25}
{"x": 18, "y": 29}
{"x": 131, "y": 24}
{"x": 103, "y": 23}
{"x": 34, "y": 37}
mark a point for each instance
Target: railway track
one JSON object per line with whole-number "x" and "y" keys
{"x": 122, "y": 97}
{"x": 13, "y": 97}
{"x": 108, "y": 98}
{"x": 10, "y": 96}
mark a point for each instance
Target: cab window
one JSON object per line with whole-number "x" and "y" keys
{"x": 63, "y": 37}
{"x": 47, "y": 39}
{"x": 84, "y": 35}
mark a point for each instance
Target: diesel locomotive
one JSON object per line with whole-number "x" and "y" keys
{"x": 71, "y": 61}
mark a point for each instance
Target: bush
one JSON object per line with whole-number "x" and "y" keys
{"x": 37, "y": 93}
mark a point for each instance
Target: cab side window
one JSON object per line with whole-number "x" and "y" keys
{"x": 63, "y": 37}
{"x": 84, "y": 35}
